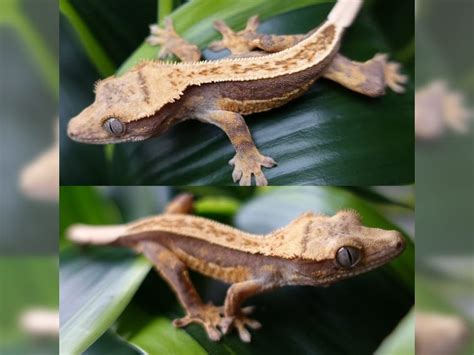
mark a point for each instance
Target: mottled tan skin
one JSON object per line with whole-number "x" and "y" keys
{"x": 269, "y": 72}
{"x": 302, "y": 253}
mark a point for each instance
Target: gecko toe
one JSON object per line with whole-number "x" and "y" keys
{"x": 247, "y": 310}
{"x": 209, "y": 316}
{"x": 213, "y": 333}
{"x": 246, "y": 179}
{"x": 244, "y": 334}
{"x": 253, "y": 23}
{"x": 260, "y": 179}
{"x": 182, "y": 322}
{"x": 246, "y": 165}
{"x": 253, "y": 324}
{"x": 393, "y": 78}
{"x": 225, "y": 324}
{"x": 217, "y": 46}
{"x": 268, "y": 162}
{"x": 240, "y": 322}
{"x": 236, "y": 174}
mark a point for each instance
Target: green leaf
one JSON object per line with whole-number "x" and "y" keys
{"x": 28, "y": 49}
{"x": 109, "y": 30}
{"x": 14, "y": 15}
{"x": 216, "y": 205}
{"x": 155, "y": 335}
{"x": 402, "y": 340}
{"x": 110, "y": 343}
{"x": 95, "y": 288}
{"x": 328, "y": 136}
{"x": 353, "y": 316}
{"x": 26, "y": 284}
{"x": 96, "y": 285}
{"x": 93, "y": 49}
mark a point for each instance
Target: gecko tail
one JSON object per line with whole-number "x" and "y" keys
{"x": 344, "y": 12}
{"x": 95, "y": 235}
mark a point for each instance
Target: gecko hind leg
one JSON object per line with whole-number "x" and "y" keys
{"x": 175, "y": 272}
{"x": 236, "y": 42}
{"x": 248, "y": 160}
{"x": 172, "y": 43}
{"x": 245, "y": 42}
{"x": 368, "y": 78}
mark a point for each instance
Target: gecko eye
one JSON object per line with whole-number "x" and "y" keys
{"x": 348, "y": 257}
{"x": 114, "y": 126}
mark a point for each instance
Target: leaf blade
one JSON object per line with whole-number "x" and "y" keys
{"x": 83, "y": 323}
{"x": 92, "y": 47}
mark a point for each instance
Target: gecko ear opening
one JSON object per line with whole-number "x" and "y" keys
{"x": 348, "y": 257}
{"x": 114, "y": 126}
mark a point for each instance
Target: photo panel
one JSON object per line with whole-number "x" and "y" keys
{"x": 240, "y": 238}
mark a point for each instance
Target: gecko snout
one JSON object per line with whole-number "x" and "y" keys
{"x": 397, "y": 241}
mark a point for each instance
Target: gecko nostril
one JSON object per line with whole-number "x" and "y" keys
{"x": 399, "y": 245}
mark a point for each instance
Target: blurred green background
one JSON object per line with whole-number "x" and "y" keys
{"x": 29, "y": 87}
{"x": 108, "y": 290}
{"x": 28, "y": 107}
{"x": 330, "y": 136}
{"x": 26, "y": 283}
{"x": 445, "y": 171}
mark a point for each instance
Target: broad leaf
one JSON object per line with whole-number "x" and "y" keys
{"x": 402, "y": 340}
{"x": 96, "y": 285}
{"x": 95, "y": 288}
{"x": 26, "y": 284}
{"x": 329, "y": 136}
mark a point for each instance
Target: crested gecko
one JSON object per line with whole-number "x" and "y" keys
{"x": 155, "y": 95}
{"x": 311, "y": 250}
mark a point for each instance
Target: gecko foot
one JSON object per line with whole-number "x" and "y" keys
{"x": 240, "y": 322}
{"x": 208, "y": 316}
{"x": 236, "y": 42}
{"x": 393, "y": 78}
{"x": 172, "y": 43}
{"x": 247, "y": 164}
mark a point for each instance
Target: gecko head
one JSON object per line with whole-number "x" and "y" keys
{"x": 339, "y": 247}
{"x": 124, "y": 110}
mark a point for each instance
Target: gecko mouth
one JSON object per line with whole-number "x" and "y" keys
{"x": 108, "y": 140}
{"x": 84, "y": 138}
{"x": 88, "y": 136}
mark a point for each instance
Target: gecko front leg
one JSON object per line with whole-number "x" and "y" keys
{"x": 172, "y": 43}
{"x": 236, "y": 317}
{"x": 248, "y": 160}
{"x": 175, "y": 272}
